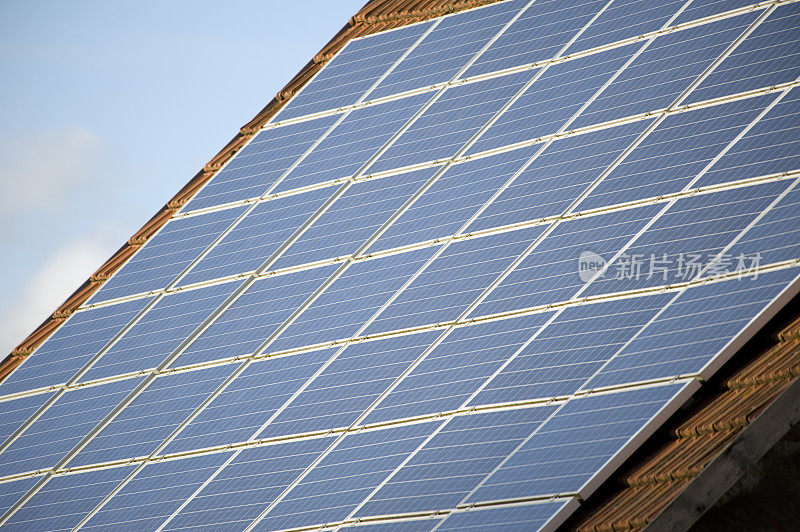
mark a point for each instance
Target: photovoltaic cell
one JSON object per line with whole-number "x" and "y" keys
{"x": 260, "y": 163}
{"x": 65, "y": 500}
{"x": 542, "y": 30}
{"x": 353, "y": 142}
{"x": 694, "y": 329}
{"x": 254, "y": 316}
{"x": 16, "y": 412}
{"x": 345, "y": 476}
{"x": 62, "y": 426}
{"x": 152, "y": 416}
{"x": 517, "y": 517}
{"x": 460, "y": 274}
{"x": 553, "y": 98}
{"x": 705, "y": 8}
{"x": 258, "y": 236}
{"x": 167, "y": 254}
{"x": 349, "y": 385}
{"x": 454, "y": 461}
{"x": 477, "y": 351}
{"x": 419, "y": 525}
{"x": 240, "y": 410}
{"x": 448, "y": 48}
{"x": 71, "y": 346}
{"x": 160, "y": 331}
{"x": 446, "y": 126}
{"x": 664, "y": 70}
{"x": 555, "y": 179}
{"x": 353, "y": 218}
{"x": 575, "y": 444}
{"x": 10, "y": 492}
{"x": 550, "y": 273}
{"x": 254, "y": 479}
{"x": 767, "y": 57}
{"x": 352, "y": 299}
{"x": 774, "y": 238}
{"x": 570, "y": 350}
{"x": 452, "y": 199}
{"x": 352, "y": 71}
{"x": 153, "y": 494}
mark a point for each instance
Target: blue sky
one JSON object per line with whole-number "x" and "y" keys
{"x": 109, "y": 107}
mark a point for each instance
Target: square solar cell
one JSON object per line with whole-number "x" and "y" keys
{"x": 346, "y": 79}
{"x": 154, "y": 493}
{"x": 249, "y": 401}
{"x": 12, "y": 491}
{"x": 658, "y": 76}
{"x": 160, "y": 332}
{"x": 62, "y": 426}
{"x": 353, "y": 142}
{"x": 550, "y": 103}
{"x": 694, "y": 329}
{"x": 257, "y": 166}
{"x": 516, "y": 517}
{"x": 538, "y": 34}
{"x": 705, "y": 8}
{"x": 453, "y": 463}
{"x": 15, "y": 412}
{"x": 243, "y": 489}
{"x": 445, "y": 289}
{"x": 353, "y": 218}
{"x": 167, "y": 254}
{"x": 345, "y": 477}
{"x": 447, "y": 125}
{"x": 578, "y": 443}
{"x": 557, "y": 176}
{"x": 71, "y": 346}
{"x": 254, "y": 316}
{"x": 427, "y": 524}
{"x": 775, "y": 237}
{"x": 152, "y": 415}
{"x": 353, "y": 298}
{"x": 258, "y": 236}
{"x": 477, "y": 351}
{"x": 767, "y": 57}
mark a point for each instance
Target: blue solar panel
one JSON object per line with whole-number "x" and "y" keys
{"x": 426, "y": 524}
{"x": 348, "y": 386}
{"x": 570, "y": 350}
{"x": 454, "y": 461}
{"x": 259, "y": 164}
{"x": 353, "y": 142}
{"x": 556, "y": 178}
{"x": 776, "y": 237}
{"x": 686, "y": 238}
{"x": 353, "y": 218}
{"x": 666, "y": 68}
{"x": 575, "y": 444}
{"x": 257, "y": 314}
{"x": 542, "y": 30}
{"x": 345, "y": 477}
{"x": 62, "y": 426}
{"x": 706, "y": 8}
{"x": 65, "y": 500}
{"x": 152, "y": 416}
{"x": 446, "y": 126}
{"x": 550, "y": 273}
{"x": 16, "y": 412}
{"x": 517, "y": 517}
{"x": 771, "y": 146}
{"x": 675, "y": 153}
{"x": 767, "y": 57}
{"x": 167, "y": 254}
{"x": 258, "y": 236}
{"x": 254, "y": 479}
{"x": 10, "y": 492}
{"x": 624, "y": 19}
{"x": 154, "y": 493}
{"x": 70, "y": 347}
{"x": 352, "y": 299}
{"x": 692, "y": 330}
{"x": 448, "y": 48}
{"x": 352, "y": 71}
{"x": 240, "y": 410}
{"x": 160, "y": 331}
{"x": 549, "y": 103}
{"x": 452, "y": 199}
{"x": 477, "y": 351}
{"x": 459, "y": 275}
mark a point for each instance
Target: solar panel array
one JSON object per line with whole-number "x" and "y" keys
{"x": 375, "y": 315}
